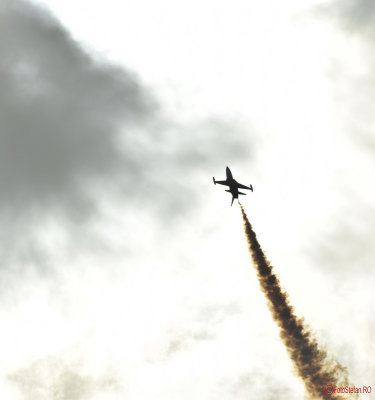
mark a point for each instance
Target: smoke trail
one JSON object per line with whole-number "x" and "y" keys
{"x": 311, "y": 363}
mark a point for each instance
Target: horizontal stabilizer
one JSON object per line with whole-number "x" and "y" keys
{"x": 241, "y": 193}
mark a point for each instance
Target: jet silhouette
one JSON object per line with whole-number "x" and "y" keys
{"x": 233, "y": 185}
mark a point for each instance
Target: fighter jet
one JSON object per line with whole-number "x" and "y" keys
{"x": 233, "y": 185}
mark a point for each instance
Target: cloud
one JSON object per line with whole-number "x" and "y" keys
{"x": 347, "y": 243}
{"x": 72, "y": 122}
{"x": 264, "y": 386}
{"x": 357, "y": 16}
{"x": 78, "y": 132}
{"x": 52, "y": 379}
{"x": 353, "y": 67}
{"x": 61, "y": 111}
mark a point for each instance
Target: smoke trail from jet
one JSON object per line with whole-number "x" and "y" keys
{"x": 310, "y": 361}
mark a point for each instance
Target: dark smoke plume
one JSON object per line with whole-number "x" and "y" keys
{"x": 310, "y": 361}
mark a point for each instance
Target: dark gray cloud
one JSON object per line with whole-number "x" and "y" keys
{"x": 75, "y": 131}
{"x": 70, "y": 123}
{"x": 60, "y": 111}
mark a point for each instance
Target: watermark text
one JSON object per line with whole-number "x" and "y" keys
{"x": 330, "y": 389}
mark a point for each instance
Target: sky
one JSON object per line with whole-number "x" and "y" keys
{"x": 124, "y": 270}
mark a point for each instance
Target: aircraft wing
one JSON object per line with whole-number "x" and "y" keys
{"x": 240, "y": 186}
{"x": 222, "y": 183}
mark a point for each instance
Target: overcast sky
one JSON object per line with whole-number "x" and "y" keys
{"x": 124, "y": 270}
